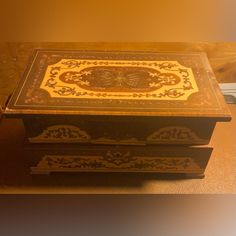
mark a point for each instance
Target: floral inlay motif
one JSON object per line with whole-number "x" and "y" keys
{"x": 116, "y": 79}
{"x": 61, "y": 133}
{"x": 112, "y": 161}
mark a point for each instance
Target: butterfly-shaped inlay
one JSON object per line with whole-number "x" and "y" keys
{"x": 119, "y": 79}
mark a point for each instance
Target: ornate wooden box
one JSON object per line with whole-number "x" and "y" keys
{"x": 118, "y": 97}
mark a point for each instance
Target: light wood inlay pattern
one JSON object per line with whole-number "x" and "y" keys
{"x": 14, "y": 56}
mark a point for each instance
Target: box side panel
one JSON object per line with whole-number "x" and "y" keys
{"x": 119, "y": 130}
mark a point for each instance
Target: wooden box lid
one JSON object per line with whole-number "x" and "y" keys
{"x": 131, "y": 83}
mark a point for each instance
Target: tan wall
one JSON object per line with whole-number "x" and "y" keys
{"x": 123, "y": 20}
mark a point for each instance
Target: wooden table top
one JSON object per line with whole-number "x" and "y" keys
{"x": 14, "y": 174}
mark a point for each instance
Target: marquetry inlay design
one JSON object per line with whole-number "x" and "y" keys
{"x": 115, "y": 161}
{"x": 61, "y": 134}
{"x": 119, "y": 79}
{"x": 176, "y": 134}
{"x": 74, "y": 134}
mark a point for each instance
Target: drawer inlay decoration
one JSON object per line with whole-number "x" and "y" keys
{"x": 175, "y": 133}
{"x": 61, "y": 133}
{"x": 73, "y": 134}
{"x": 115, "y": 161}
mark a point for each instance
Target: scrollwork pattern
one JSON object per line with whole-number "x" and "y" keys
{"x": 173, "y": 134}
{"x": 61, "y": 133}
{"x": 125, "y": 162}
{"x": 119, "y": 79}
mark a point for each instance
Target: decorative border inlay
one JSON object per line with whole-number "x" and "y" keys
{"x": 73, "y": 134}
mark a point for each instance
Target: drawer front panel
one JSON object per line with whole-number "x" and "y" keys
{"x": 119, "y": 159}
